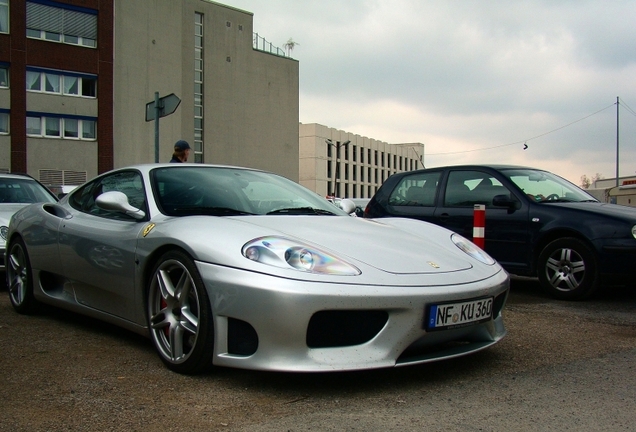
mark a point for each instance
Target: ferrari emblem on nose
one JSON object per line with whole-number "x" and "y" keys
{"x": 432, "y": 264}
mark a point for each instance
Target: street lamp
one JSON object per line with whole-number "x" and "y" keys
{"x": 337, "y": 173}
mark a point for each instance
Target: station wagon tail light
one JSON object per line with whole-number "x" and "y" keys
{"x": 471, "y": 249}
{"x": 290, "y": 254}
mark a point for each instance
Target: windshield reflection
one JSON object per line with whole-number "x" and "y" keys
{"x": 543, "y": 186}
{"x": 227, "y": 191}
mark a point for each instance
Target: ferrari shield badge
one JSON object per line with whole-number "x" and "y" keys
{"x": 148, "y": 228}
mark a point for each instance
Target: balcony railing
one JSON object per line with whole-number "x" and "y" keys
{"x": 261, "y": 44}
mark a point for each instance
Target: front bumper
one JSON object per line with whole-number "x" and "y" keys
{"x": 275, "y": 313}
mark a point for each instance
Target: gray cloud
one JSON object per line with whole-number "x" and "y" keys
{"x": 465, "y": 76}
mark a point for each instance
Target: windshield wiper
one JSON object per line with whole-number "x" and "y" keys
{"x": 207, "y": 211}
{"x": 558, "y": 200}
{"x": 301, "y": 211}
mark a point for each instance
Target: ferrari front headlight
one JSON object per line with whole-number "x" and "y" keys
{"x": 471, "y": 249}
{"x": 290, "y": 254}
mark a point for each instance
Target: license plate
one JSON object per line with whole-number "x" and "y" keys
{"x": 452, "y": 315}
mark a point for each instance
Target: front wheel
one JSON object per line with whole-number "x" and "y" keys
{"x": 18, "y": 269}
{"x": 179, "y": 315}
{"x": 567, "y": 269}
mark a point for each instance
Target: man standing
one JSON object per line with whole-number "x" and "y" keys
{"x": 181, "y": 152}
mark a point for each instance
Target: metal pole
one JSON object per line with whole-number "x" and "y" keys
{"x": 157, "y": 111}
{"x": 617, "y": 158}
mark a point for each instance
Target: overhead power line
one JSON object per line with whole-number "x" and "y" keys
{"x": 525, "y": 141}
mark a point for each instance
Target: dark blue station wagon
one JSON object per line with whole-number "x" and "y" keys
{"x": 537, "y": 223}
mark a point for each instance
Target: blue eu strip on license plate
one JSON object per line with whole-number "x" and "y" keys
{"x": 452, "y": 315}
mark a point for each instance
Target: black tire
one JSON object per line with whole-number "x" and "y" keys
{"x": 19, "y": 278}
{"x": 179, "y": 315}
{"x": 568, "y": 270}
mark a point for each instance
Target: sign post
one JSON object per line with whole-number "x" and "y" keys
{"x": 158, "y": 108}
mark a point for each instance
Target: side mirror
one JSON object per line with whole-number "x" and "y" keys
{"x": 504, "y": 200}
{"x": 118, "y": 201}
{"x": 347, "y": 205}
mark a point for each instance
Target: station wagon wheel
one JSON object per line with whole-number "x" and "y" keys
{"x": 567, "y": 269}
{"x": 179, "y": 315}
{"x": 19, "y": 281}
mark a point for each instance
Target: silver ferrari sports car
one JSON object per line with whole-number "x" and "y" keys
{"x": 238, "y": 267}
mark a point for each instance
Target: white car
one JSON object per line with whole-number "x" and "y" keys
{"x": 17, "y": 191}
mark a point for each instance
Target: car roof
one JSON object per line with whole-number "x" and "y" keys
{"x": 491, "y": 166}
{"x": 496, "y": 167}
{"x": 17, "y": 176}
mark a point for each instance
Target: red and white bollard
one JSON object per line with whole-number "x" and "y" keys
{"x": 479, "y": 225}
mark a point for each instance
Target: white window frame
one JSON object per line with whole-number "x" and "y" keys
{"x": 43, "y": 78}
{"x": 49, "y": 22}
{"x": 86, "y": 129}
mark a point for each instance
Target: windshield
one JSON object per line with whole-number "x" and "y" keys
{"x": 226, "y": 191}
{"x": 22, "y": 191}
{"x": 543, "y": 186}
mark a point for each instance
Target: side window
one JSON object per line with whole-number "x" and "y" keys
{"x": 128, "y": 182}
{"x": 467, "y": 188}
{"x": 416, "y": 190}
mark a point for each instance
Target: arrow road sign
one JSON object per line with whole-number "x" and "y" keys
{"x": 167, "y": 105}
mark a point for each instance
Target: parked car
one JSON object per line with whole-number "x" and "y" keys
{"x": 17, "y": 191}
{"x": 537, "y": 223}
{"x": 243, "y": 268}
{"x": 361, "y": 204}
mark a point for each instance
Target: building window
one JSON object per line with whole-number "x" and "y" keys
{"x": 34, "y": 126}
{"x": 198, "y": 87}
{"x": 89, "y": 129}
{"x": 71, "y": 128}
{"x": 61, "y": 127}
{"x": 4, "y": 123}
{"x": 4, "y": 16}
{"x": 61, "y": 83}
{"x": 52, "y": 127}
{"x": 71, "y": 25}
{"x": 4, "y": 76}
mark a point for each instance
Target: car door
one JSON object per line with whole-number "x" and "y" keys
{"x": 414, "y": 196}
{"x": 506, "y": 230}
{"x": 97, "y": 246}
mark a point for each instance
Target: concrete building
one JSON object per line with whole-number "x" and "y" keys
{"x": 76, "y": 75}
{"x": 347, "y": 165}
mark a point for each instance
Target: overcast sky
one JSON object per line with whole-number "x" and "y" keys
{"x": 472, "y": 80}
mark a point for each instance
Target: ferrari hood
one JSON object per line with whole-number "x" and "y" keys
{"x": 392, "y": 245}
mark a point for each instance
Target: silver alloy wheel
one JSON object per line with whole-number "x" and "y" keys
{"x": 174, "y": 311}
{"x": 17, "y": 274}
{"x": 565, "y": 269}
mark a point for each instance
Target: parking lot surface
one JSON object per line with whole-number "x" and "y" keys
{"x": 563, "y": 366}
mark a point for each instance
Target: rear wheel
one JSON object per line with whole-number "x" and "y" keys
{"x": 179, "y": 315}
{"x": 568, "y": 270}
{"x": 18, "y": 268}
